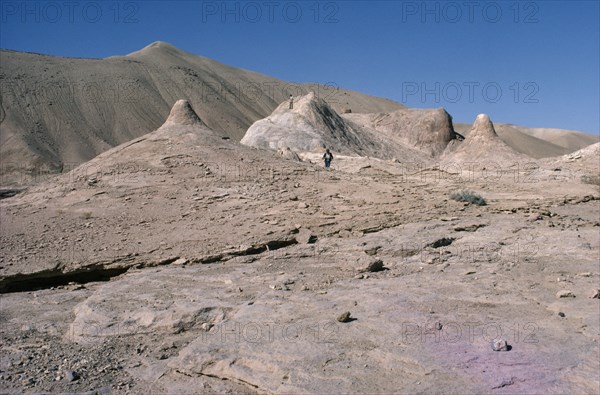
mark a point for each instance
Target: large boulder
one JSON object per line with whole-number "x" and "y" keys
{"x": 313, "y": 125}
{"x": 427, "y": 130}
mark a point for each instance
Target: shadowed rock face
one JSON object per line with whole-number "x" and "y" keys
{"x": 437, "y": 132}
{"x": 428, "y": 131}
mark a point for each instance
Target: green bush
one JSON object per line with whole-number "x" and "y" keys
{"x": 468, "y": 196}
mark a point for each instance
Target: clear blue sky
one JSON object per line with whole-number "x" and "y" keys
{"x": 532, "y": 63}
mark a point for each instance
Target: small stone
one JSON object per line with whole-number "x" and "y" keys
{"x": 372, "y": 250}
{"x": 180, "y": 261}
{"x": 505, "y": 383}
{"x": 535, "y": 217}
{"x": 565, "y": 294}
{"x": 305, "y": 236}
{"x": 499, "y": 345}
{"x": 374, "y": 266}
{"x": 561, "y": 314}
{"x": 438, "y": 326}
{"x": 345, "y": 234}
{"x": 595, "y": 294}
{"x": 302, "y": 205}
{"x": 167, "y": 346}
{"x": 344, "y": 317}
{"x": 206, "y": 326}
{"x": 468, "y": 228}
{"x": 71, "y": 375}
{"x": 443, "y": 242}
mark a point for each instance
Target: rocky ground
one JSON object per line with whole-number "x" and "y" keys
{"x": 186, "y": 263}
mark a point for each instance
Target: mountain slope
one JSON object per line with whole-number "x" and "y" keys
{"x": 537, "y": 142}
{"x": 57, "y": 112}
{"x": 570, "y": 139}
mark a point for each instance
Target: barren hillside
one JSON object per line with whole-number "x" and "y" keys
{"x": 60, "y": 112}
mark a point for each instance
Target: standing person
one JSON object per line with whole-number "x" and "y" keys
{"x": 291, "y": 102}
{"x": 327, "y": 157}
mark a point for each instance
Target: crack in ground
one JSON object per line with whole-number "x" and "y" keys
{"x": 235, "y": 380}
{"x": 54, "y": 278}
{"x": 103, "y": 271}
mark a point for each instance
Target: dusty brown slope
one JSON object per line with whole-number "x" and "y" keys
{"x": 585, "y": 160}
{"x": 59, "y": 112}
{"x": 571, "y": 139}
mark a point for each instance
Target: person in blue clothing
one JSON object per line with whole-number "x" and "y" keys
{"x": 327, "y": 157}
